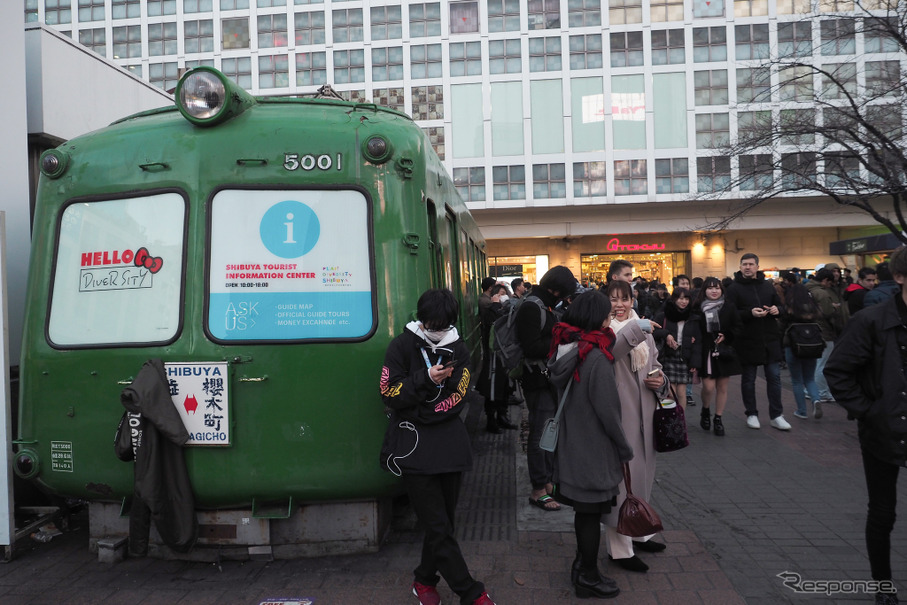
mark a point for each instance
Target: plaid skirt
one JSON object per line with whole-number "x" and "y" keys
{"x": 674, "y": 367}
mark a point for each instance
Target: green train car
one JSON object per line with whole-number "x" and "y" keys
{"x": 267, "y": 250}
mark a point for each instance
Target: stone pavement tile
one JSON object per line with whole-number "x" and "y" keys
{"x": 677, "y": 597}
{"x": 721, "y": 597}
{"x": 702, "y": 562}
{"x": 690, "y": 581}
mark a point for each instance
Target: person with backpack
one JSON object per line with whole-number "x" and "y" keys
{"x": 494, "y": 381}
{"x": 533, "y": 322}
{"x": 800, "y": 308}
{"x": 833, "y": 315}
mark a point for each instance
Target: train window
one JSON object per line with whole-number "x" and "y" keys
{"x": 118, "y": 273}
{"x": 434, "y": 244}
{"x": 290, "y": 265}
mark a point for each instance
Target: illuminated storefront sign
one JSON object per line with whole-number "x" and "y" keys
{"x": 614, "y": 245}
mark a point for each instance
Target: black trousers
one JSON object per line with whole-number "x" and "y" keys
{"x": 434, "y": 499}
{"x": 882, "y": 485}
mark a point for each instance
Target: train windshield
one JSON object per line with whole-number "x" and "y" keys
{"x": 290, "y": 265}
{"x": 117, "y": 277}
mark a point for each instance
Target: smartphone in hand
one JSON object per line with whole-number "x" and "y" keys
{"x": 449, "y": 364}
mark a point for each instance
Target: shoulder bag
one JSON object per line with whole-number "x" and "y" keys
{"x": 548, "y": 440}
{"x": 806, "y": 340}
{"x": 670, "y": 426}
{"x": 636, "y": 517}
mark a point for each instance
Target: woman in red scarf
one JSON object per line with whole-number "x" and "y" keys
{"x": 591, "y": 446}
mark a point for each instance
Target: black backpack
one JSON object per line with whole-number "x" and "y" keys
{"x": 806, "y": 340}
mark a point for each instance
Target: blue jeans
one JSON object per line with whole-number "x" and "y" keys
{"x": 802, "y": 375}
{"x": 824, "y": 393}
{"x": 772, "y": 388}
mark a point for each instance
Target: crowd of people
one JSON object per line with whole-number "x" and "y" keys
{"x": 608, "y": 353}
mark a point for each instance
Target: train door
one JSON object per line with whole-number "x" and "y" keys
{"x": 434, "y": 245}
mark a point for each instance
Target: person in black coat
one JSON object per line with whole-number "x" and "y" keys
{"x": 677, "y": 338}
{"x": 759, "y": 341}
{"x": 424, "y": 383}
{"x": 866, "y": 375}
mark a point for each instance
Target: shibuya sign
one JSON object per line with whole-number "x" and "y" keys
{"x": 614, "y": 245}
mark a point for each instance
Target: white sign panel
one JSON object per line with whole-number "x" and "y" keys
{"x": 200, "y": 394}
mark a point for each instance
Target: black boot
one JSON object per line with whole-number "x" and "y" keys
{"x": 504, "y": 422}
{"x": 492, "y": 426}
{"x": 719, "y": 427}
{"x": 576, "y": 568}
{"x": 593, "y": 584}
{"x": 704, "y": 420}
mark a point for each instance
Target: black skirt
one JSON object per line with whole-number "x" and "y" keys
{"x": 584, "y": 507}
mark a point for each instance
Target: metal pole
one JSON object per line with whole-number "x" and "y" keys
{"x": 7, "y": 516}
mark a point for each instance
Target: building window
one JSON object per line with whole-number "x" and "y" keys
{"x": 309, "y": 28}
{"x": 239, "y": 70}
{"x": 127, "y": 42}
{"x": 137, "y": 70}
{"x": 887, "y": 119}
{"x": 470, "y": 183}
{"x": 504, "y": 57}
{"x": 754, "y": 127}
{"x": 436, "y": 138}
{"x": 626, "y": 49}
{"x": 428, "y": 103}
{"x": 94, "y": 39}
{"x": 798, "y": 126}
{"x": 630, "y": 177}
{"x": 162, "y": 39}
{"x": 197, "y": 6}
{"x": 589, "y": 179}
{"x": 464, "y": 17}
{"x": 387, "y": 22}
{"x": 273, "y": 71}
{"x": 199, "y": 63}
{"x": 311, "y": 68}
{"x": 231, "y": 5}
{"x": 31, "y": 11}
{"x": 272, "y": 31}
{"x": 544, "y": 14}
{"x": 509, "y": 182}
{"x": 709, "y": 44}
{"x": 159, "y": 8}
{"x": 878, "y": 36}
{"x": 91, "y": 10}
{"x": 164, "y": 75}
{"x": 668, "y": 47}
{"x": 584, "y": 13}
{"x": 665, "y": 10}
{"x": 586, "y": 51}
{"x": 672, "y": 175}
{"x": 198, "y": 36}
{"x": 841, "y": 169}
{"x": 57, "y": 12}
{"x": 713, "y": 173}
{"x": 839, "y": 80}
{"x": 883, "y": 78}
{"x": 712, "y": 130}
{"x": 710, "y": 87}
{"x": 425, "y": 61}
{"x": 625, "y": 11}
{"x": 750, "y": 8}
{"x": 387, "y": 63}
{"x": 234, "y": 33}
{"x": 349, "y": 66}
{"x": 271, "y": 3}
{"x": 796, "y": 83}
{"x": 348, "y": 25}
{"x": 503, "y": 15}
{"x": 119, "y": 9}
{"x": 465, "y": 58}
{"x": 753, "y": 85}
{"x": 751, "y": 41}
{"x": 425, "y": 20}
{"x": 549, "y": 181}
{"x": 756, "y": 172}
{"x": 545, "y": 54}
{"x": 839, "y": 36}
{"x": 795, "y": 39}
{"x": 835, "y": 6}
{"x": 798, "y": 170}
{"x": 395, "y": 98}
{"x": 793, "y": 7}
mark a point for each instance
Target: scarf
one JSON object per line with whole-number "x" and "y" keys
{"x": 565, "y": 333}
{"x": 639, "y": 355}
{"x": 710, "y": 310}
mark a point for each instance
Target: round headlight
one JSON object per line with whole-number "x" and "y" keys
{"x": 202, "y": 95}
{"x": 54, "y": 163}
{"x": 377, "y": 149}
{"x": 26, "y": 464}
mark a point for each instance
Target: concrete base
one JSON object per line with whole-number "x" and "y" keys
{"x": 310, "y": 531}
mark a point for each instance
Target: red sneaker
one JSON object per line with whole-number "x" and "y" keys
{"x": 427, "y": 595}
{"x": 483, "y": 599}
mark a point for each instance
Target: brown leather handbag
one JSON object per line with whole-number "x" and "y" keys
{"x": 636, "y": 517}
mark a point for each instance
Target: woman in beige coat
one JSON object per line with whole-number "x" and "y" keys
{"x": 635, "y": 357}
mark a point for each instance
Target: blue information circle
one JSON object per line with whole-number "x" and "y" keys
{"x": 289, "y": 229}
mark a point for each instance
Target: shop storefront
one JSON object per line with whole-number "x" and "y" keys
{"x": 507, "y": 268}
{"x": 866, "y": 251}
{"x": 651, "y": 261}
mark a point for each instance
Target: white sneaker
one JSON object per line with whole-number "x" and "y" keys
{"x": 780, "y": 423}
{"x": 753, "y": 422}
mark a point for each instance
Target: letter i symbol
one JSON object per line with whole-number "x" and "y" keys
{"x": 289, "y": 225}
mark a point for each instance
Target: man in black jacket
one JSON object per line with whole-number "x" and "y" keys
{"x": 866, "y": 375}
{"x": 759, "y": 342}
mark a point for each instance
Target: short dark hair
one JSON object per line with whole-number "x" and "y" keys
{"x": 620, "y": 288}
{"x": 697, "y": 283}
{"x": 749, "y": 255}
{"x": 588, "y": 311}
{"x": 677, "y": 279}
{"x": 707, "y": 283}
{"x": 865, "y": 272}
{"x": 678, "y": 292}
{"x": 488, "y": 282}
{"x": 897, "y": 264}
{"x": 437, "y": 308}
{"x": 498, "y": 288}
{"x": 516, "y": 282}
{"x": 883, "y": 271}
{"x": 617, "y": 266}
{"x": 823, "y": 274}
{"x": 559, "y": 279}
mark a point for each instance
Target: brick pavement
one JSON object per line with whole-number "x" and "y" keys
{"x": 738, "y": 511}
